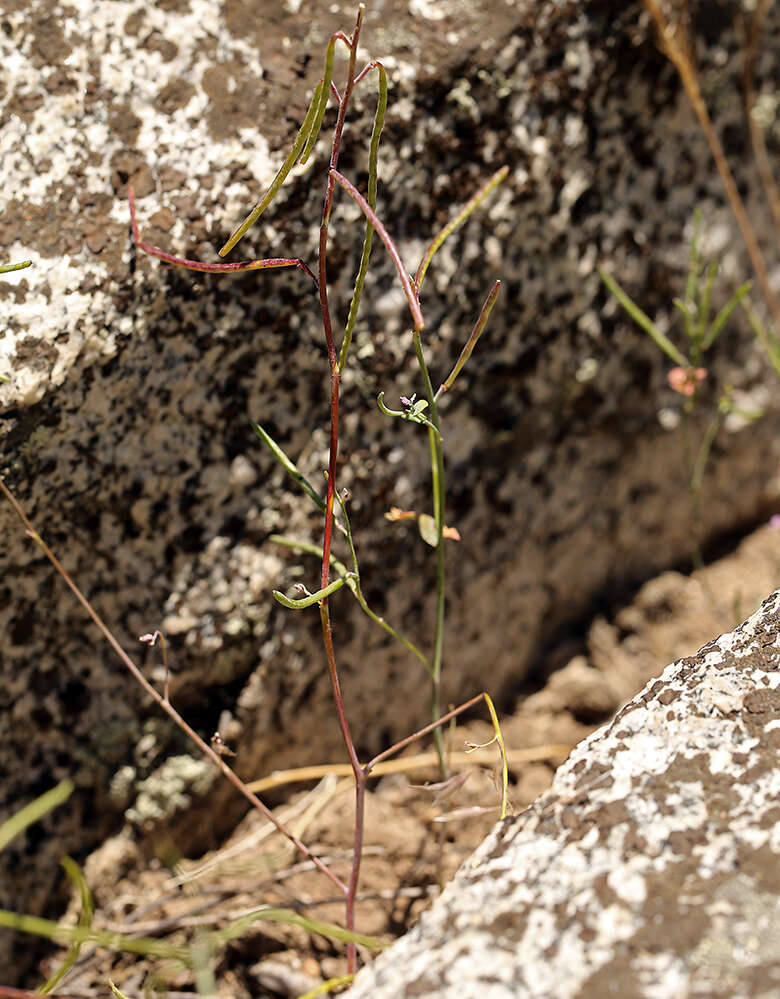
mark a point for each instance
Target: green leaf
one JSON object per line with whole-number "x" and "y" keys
{"x": 725, "y": 313}
{"x": 76, "y": 876}
{"x": 428, "y": 530}
{"x": 288, "y": 465}
{"x": 102, "y": 938}
{"x": 34, "y": 812}
{"x": 328, "y": 930}
{"x": 643, "y": 320}
{"x": 327, "y": 986}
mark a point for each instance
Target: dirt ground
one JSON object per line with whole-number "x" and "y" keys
{"x": 415, "y": 838}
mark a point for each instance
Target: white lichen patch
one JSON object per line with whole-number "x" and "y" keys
{"x": 171, "y": 788}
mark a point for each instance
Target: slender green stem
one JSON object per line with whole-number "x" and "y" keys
{"x": 437, "y": 483}
{"x": 474, "y": 201}
{"x": 311, "y": 598}
{"x": 373, "y": 173}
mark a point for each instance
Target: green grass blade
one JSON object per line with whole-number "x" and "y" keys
{"x": 725, "y": 314}
{"x": 368, "y": 239}
{"x": 438, "y": 240}
{"x": 327, "y": 986}
{"x": 330, "y": 931}
{"x": 76, "y": 876}
{"x": 765, "y": 337}
{"x": 34, "y": 812}
{"x": 704, "y": 302}
{"x": 117, "y": 942}
{"x": 642, "y": 319}
{"x": 304, "y": 133}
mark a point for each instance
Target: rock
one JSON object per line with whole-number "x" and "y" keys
{"x": 125, "y": 425}
{"x": 650, "y": 868}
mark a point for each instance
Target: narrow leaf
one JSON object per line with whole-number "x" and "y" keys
{"x": 288, "y": 465}
{"x": 643, "y": 320}
{"x": 330, "y": 931}
{"x": 765, "y": 337}
{"x": 34, "y": 812}
{"x": 327, "y": 986}
{"x": 102, "y": 938}
{"x": 7, "y": 268}
{"x": 76, "y": 876}
{"x": 725, "y": 313}
{"x": 704, "y": 301}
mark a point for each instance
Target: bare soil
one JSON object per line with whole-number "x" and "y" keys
{"x": 415, "y": 839}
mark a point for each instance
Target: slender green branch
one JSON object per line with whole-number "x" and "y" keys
{"x": 456, "y": 222}
{"x": 311, "y": 122}
{"x": 373, "y": 173}
{"x": 437, "y": 482}
{"x": 311, "y": 598}
{"x": 725, "y": 314}
{"x": 352, "y": 580}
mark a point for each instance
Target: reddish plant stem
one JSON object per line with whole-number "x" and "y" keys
{"x": 196, "y": 265}
{"x": 421, "y": 732}
{"x": 333, "y": 361}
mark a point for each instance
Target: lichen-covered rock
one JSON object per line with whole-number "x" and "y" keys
{"x": 125, "y": 424}
{"x": 650, "y": 868}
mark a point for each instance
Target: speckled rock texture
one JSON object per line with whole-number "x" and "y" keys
{"x": 124, "y": 428}
{"x": 650, "y": 869}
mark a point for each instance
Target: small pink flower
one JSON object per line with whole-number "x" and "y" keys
{"x": 686, "y": 380}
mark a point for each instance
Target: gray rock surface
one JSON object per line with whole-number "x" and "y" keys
{"x": 650, "y": 868}
{"x": 125, "y": 425}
